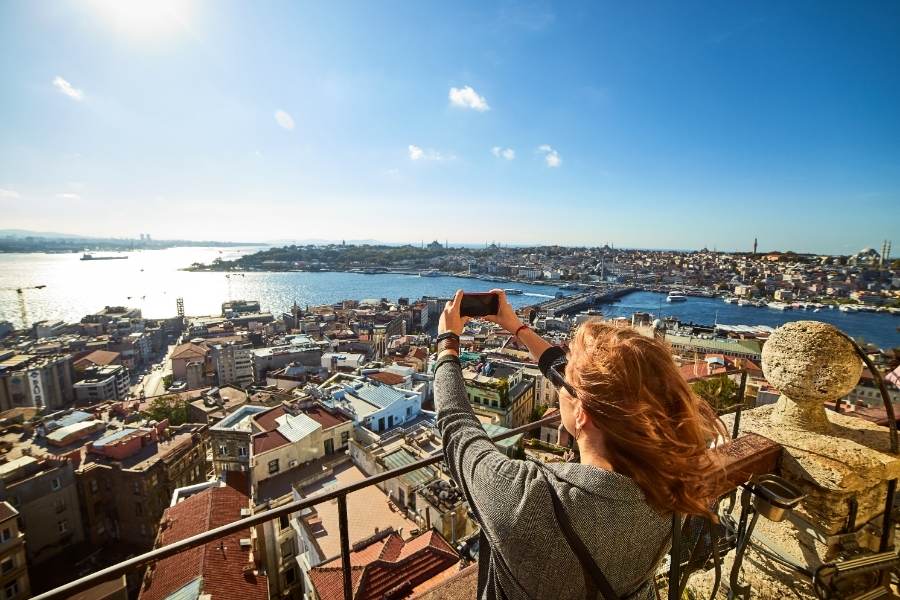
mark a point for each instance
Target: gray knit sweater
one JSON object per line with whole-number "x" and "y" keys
{"x": 511, "y": 499}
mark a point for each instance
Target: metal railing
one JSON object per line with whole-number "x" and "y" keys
{"x": 339, "y": 493}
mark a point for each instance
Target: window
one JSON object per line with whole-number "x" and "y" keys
{"x": 137, "y": 487}
{"x": 345, "y": 437}
{"x": 223, "y": 450}
{"x": 5, "y": 535}
{"x": 55, "y": 484}
{"x": 290, "y": 576}
{"x": 62, "y": 526}
{"x": 11, "y": 590}
{"x": 273, "y": 466}
{"x": 408, "y": 411}
{"x": 94, "y": 486}
{"x": 242, "y": 451}
{"x": 7, "y": 565}
{"x": 138, "y": 509}
{"x": 287, "y": 549}
{"x": 283, "y": 522}
{"x": 60, "y": 505}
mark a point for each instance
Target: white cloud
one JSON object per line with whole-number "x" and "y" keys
{"x": 68, "y": 196}
{"x": 551, "y": 156}
{"x": 66, "y": 88}
{"x": 466, "y": 97}
{"x": 507, "y": 153}
{"x": 285, "y": 120}
{"x": 9, "y": 194}
{"x": 418, "y": 153}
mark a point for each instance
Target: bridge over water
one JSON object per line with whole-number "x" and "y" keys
{"x": 584, "y": 300}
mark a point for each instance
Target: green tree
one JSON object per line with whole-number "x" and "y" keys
{"x": 172, "y": 408}
{"x": 720, "y": 392}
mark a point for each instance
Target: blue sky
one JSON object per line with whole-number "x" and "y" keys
{"x": 671, "y": 125}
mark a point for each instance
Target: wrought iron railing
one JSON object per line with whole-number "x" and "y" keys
{"x": 339, "y": 493}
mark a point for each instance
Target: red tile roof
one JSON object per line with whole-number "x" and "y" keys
{"x": 189, "y": 350}
{"x": 221, "y": 564}
{"x": 268, "y": 440}
{"x": 267, "y": 420}
{"x": 97, "y": 357}
{"x": 387, "y": 378}
{"x": 386, "y": 567}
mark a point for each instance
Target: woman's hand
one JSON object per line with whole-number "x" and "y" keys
{"x": 506, "y": 317}
{"x": 451, "y": 320}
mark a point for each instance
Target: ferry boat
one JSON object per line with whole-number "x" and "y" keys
{"x": 430, "y": 273}
{"x": 87, "y": 256}
{"x": 676, "y": 296}
{"x": 513, "y": 292}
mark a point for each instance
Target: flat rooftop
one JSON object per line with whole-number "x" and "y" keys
{"x": 149, "y": 454}
{"x": 241, "y": 419}
{"x": 366, "y": 510}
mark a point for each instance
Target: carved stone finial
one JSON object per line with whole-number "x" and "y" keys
{"x": 810, "y": 363}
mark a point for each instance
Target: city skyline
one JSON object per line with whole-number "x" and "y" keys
{"x": 522, "y": 124}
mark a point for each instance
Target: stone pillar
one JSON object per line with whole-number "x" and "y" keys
{"x": 833, "y": 457}
{"x": 810, "y": 363}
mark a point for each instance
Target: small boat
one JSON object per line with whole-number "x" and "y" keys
{"x": 743, "y": 302}
{"x": 513, "y": 292}
{"x": 430, "y": 273}
{"x": 779, "y": 306}
{"x": 730, "y": 300}
{"x": 676, "y": 296}
{"x": 848, "y": 308}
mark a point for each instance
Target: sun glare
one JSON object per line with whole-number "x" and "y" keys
{"x": 145, "y": 18}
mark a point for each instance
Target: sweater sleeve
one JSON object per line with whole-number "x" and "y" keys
{"x": 493, "y": 484}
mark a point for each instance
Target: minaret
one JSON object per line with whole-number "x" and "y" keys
{"x": 754, "y": 246}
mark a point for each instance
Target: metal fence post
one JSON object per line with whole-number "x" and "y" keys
{"x": 345, "y": 547}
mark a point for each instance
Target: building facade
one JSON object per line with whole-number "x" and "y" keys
{"x": 14, "y": 582}
{"x": 46, "y": 496}
{"x": 102, "y": 383}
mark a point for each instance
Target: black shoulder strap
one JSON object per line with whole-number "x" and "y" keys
{"x": 589, "y": 566}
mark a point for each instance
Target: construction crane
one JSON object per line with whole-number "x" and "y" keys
{"x": 23, "y": 312}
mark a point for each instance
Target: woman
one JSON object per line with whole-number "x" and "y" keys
{"x": 642, "y": 438}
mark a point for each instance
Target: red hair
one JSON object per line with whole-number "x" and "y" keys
{"x": 656, "y": 430}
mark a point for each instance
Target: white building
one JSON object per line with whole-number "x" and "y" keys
{"x": 102, "y": 383}
{"x": 376, "y": 406}
{"x": 233, "y": 364}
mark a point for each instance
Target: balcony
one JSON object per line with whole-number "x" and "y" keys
{"x": 746, "y": 457}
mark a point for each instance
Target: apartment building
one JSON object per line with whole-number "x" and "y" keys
{"x": 371, "y": 404}
{"x": 102, "y": 383}
{"x": 38, "y": 381}
{"x": 502, "y": 393}
{"x": 293, "y": 435}
{"x": 233, "y": 364}
{"x": 45, "y": 494}
{"x": 129, "y": 475}
{"x": 13, "y": 566}
{"x": 230, "y": 439}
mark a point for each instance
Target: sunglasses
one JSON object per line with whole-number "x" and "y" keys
{"x": 557, "y": 376}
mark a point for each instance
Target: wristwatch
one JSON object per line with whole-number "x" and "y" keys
{"x": 447, "y": 341}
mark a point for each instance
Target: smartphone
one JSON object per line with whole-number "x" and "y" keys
{"x": 480, "y": 304}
